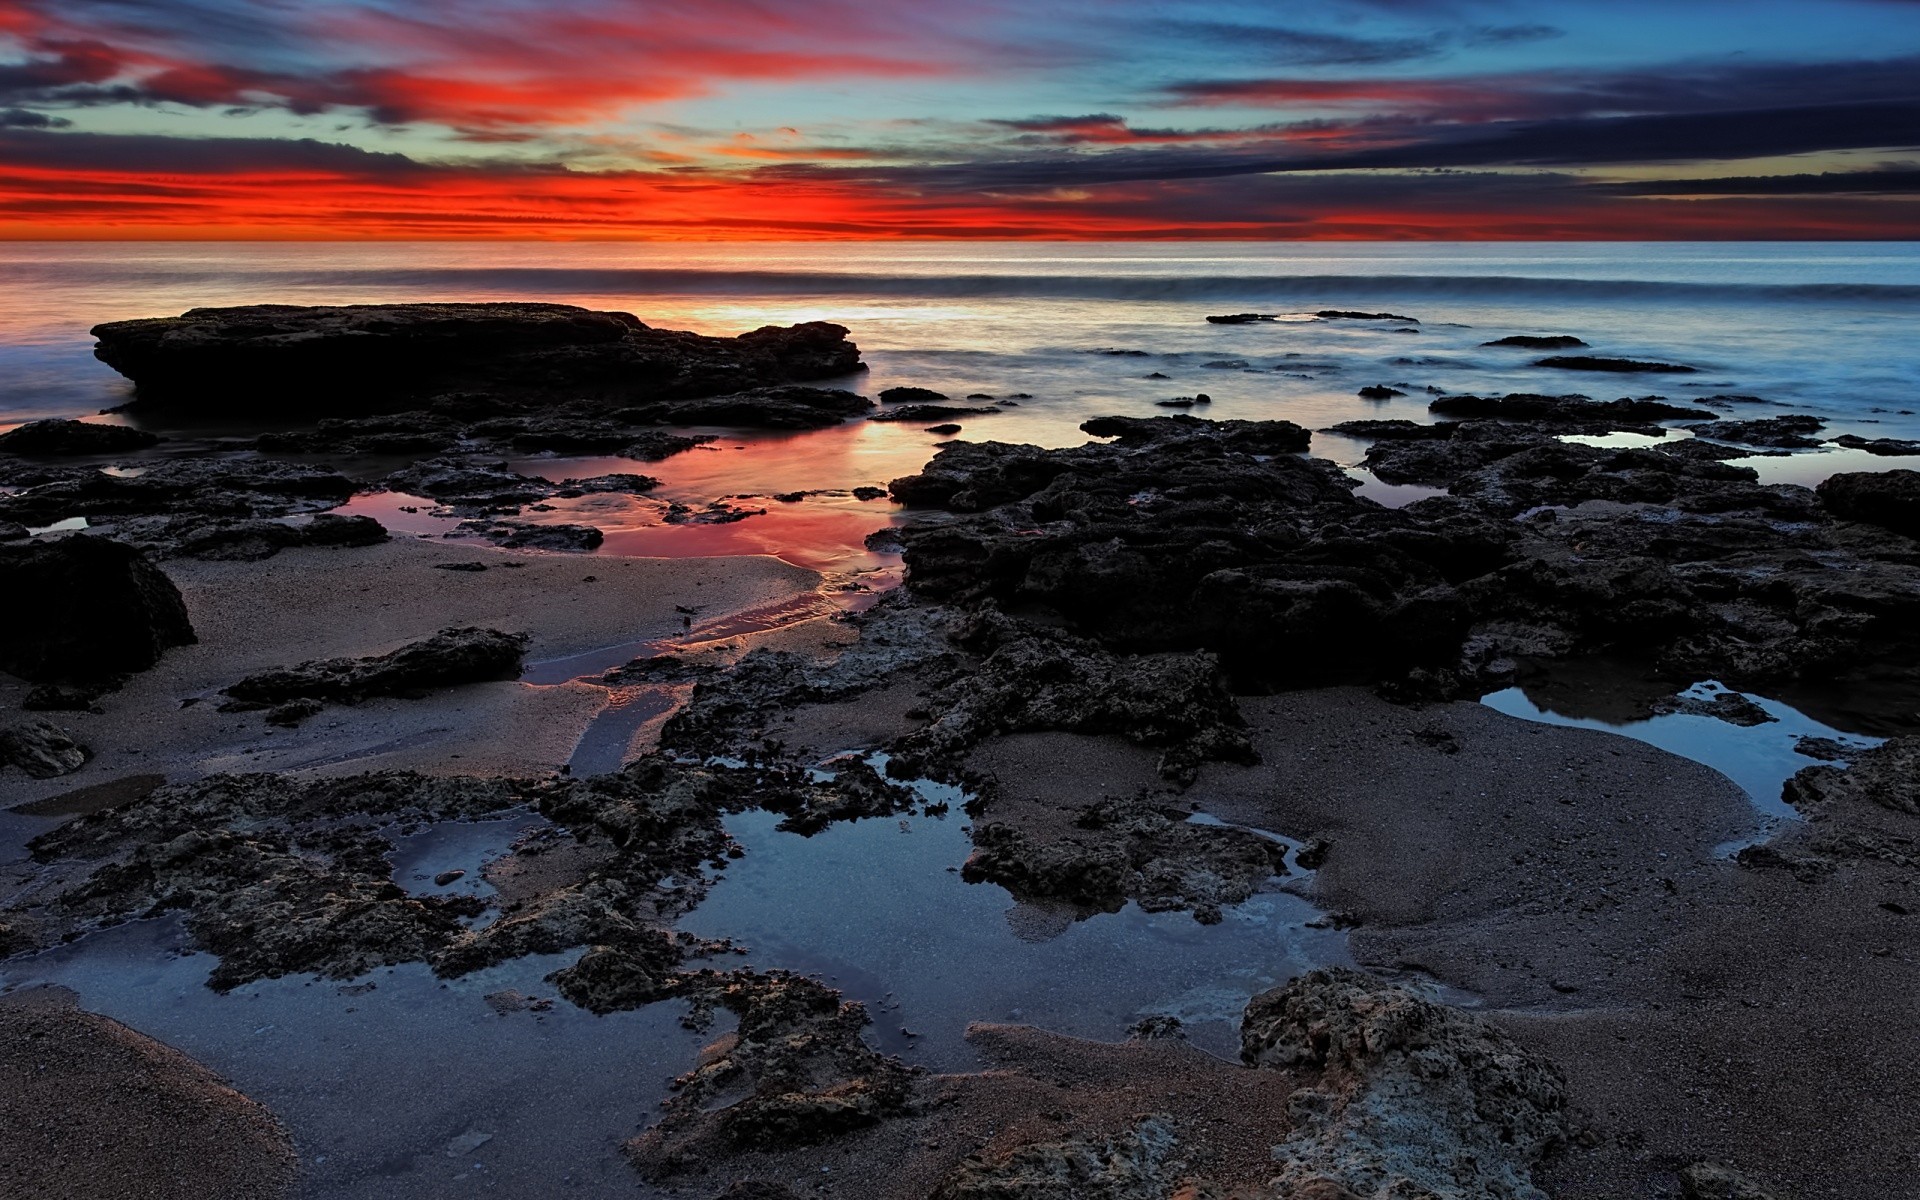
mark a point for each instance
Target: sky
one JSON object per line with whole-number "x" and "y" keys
{"x": 803, "y": 119}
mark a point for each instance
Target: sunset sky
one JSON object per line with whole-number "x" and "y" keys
{"x": 863, "y": 118}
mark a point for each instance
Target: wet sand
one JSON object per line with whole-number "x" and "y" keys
{"x": 323, "y": 603}
{"x": 95, "y": 1111}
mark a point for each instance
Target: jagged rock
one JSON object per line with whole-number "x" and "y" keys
{"x": 1887, "y": 777}
{"x": 1188, "y": 534}
{"x": 617, "y": 978}
{"x": 1142, "y": 1163}
{"x": 1787, "y": 433}
{"x": 1030, "y": 679}
{"x": 1402, "y": 1096}
{"x": 798, "y": 1055}
{"x": 1558, "y": 341}
{"x": 448, "y": 658}
{"x": 42, "y": 749}
{"x": 1628, "y": 366}
{"x": 1128, "y": 850}
{"x": 1889, "y": 499}
{"x": 85, "y": 609}
{"x": 356, "y": 354}
{"x": 64, "y": 439}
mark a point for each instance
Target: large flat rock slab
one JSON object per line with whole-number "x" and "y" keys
{"x": 344, "y": 356}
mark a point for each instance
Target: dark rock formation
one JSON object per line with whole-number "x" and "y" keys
{"x": 85, "y": 609}
{"x": 1885, "y": 447}
{"x": 450, "y": 657}
{"x": 283, "y": 874}
{"x": 1242, "y": 318}
{"x": 470, "y": 485}
{"x": 1525, "y": 341}
{"x": 1886, "y": 777}
{"x": 1787, "y": 433}
{"x": 931, "y": 412}
{"x": 1341, "y": 314}
{"x": 42, "y": 749}
{"x": 1565, "y": 410}
{"x": 1889, "y": 499}
{"x": 798, "y": 1056}
{"x": 66, "y": 439}
{"x": 1627, "y": 366}
{"x": 335, "y": 357}
{"x": 1131, "y": 849}
{"x": 1380, "y": 392}
{"x": 1714, "y": 1181}
{"x": 1188, "y": 534}
{"x": 918, "y": 395}
{"x": 205, "y": 487}
{"x": 525, "y": 535}
{"x": 1398, "y": 430}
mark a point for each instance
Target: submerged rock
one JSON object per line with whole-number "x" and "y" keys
{"x": 63, "y": 439}
{"x": 1342, "y": 314}
{"x": 85, "y": 609}
{"x": 1557, "y": 341}
{"x": 448, "y": 658}
{"x": 931, "y": 412}
{"x": 1405, "y": 1097}
{"x": 1627, "y": 366}
{"x": 353, "y": 354}
{"x": 526, "y": 535}
{"x": 1885, "y": 447}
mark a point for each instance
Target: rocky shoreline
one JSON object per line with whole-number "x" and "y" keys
{"x": 1169, "y": 670}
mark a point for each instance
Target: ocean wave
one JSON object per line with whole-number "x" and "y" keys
{"x": 1307, "y": 291}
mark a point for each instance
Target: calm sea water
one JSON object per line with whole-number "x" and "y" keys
{"x": 1813, "y": 327}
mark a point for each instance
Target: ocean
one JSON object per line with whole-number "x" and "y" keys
{"x": 1083, "y": 329}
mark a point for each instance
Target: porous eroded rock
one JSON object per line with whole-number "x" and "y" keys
{"x": 794, "y": 1072}
{"x": 1715, "y": 1181}
{"x": 85, "y": 609}
{"x": 279, "y": 874}
{"x": 336, "y": 357}
{"x": 1186, "y": 534}
{"x": 448, "y": 658}
{"x": 1128, "y": 849}
{"x": 1402, "y": 1096}
{"x": 1887, "y": 777}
